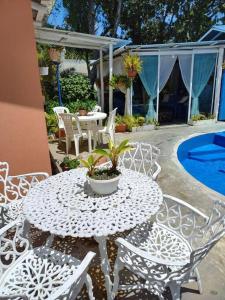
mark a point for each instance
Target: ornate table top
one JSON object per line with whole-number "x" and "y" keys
{"x": 65, "y": 205}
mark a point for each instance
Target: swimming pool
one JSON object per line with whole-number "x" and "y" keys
{"x": 203, "y": 157}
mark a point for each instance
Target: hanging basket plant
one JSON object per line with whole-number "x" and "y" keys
{"x": 55, "y": 53}
{"x": 132, "y": 65}
{"x": 121, "y": 82}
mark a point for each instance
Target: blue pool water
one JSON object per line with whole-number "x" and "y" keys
{"x": 203, "y": 157}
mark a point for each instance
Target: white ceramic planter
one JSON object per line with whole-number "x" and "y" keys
{"x": 104, "y": 187}
{"x": 43, "y": 71}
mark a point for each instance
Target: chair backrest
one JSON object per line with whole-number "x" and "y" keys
{"x": 60, "y": 110}
{"x": 140, "y": 158}
{"x": 16, "y": 187}
{"x": 4, "y": 172}
{"x": 182, "y": 218}
{"x": 71, "y": 124}
{"x": 111, "y": 121}
{"x": 97, "y": 108}
{"x": 12, "y": 244}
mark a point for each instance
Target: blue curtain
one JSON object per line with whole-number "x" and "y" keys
{"x": 222, "y": 99}
{"x": 149, "y": 78}
{"x": 203, "y": 67}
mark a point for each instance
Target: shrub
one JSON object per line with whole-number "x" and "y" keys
{"x": 130, "y": 121}
{"x": 50, "y": 104}
{"x": 140, "y": 121}
{"x": 51, "y": 123}
{"x": 76, "y": 87}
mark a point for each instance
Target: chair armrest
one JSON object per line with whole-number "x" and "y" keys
{"x": 17, "y": 297}
{"x": 44, "y": 174}
{"x": 158, "y": 170}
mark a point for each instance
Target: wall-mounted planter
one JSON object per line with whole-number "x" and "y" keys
{"x": 43, "y": 71}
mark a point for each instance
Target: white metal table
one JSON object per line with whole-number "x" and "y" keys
{"x": 65, "y": 205}
{"x": 90, "y": 121}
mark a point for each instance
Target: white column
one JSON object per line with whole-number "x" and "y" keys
{"x": 218, "y": 82}
{"x": 157, "y": 99}
{"x": 131, "y": 98}
{"x": 110, "y": 76}
{"x": 190, "y": 91}
{"x": 101, "y": 81}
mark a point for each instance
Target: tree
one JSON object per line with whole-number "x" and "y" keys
{"x": 85, "y": 15}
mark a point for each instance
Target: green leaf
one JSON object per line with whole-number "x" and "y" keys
{"x": 84, "y": 163}
{"x": 101, "y": 152}
{"x": 91, "y": 160}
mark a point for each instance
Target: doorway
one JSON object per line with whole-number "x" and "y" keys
{"x": 174, "y": 99}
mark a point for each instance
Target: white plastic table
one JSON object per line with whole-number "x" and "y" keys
{"x": 65, "y": 205}
{"x": 90, "y": 121}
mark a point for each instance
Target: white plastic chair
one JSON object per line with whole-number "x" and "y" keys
{"x": 39, "y": 273}
{"x": 97, "y": 108}
{"x": 75, "y": 133}
{"x": 109, "y": 129}
{"x": 166, "y": 253}
{"x": 142, "y": 158}
{"x": 13, "y": 190}
{"x": 60, "y": 110}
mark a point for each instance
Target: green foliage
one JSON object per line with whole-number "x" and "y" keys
{"x": 91, "y": 164}
{"x": 119, "y": 120}
{"x": 132, "y": 62}
{"x": 85, "y": 105}
{"x": 76, "y": 87}
{"x": 119, "y": 80}
{"x": 70, "y": 163}
{"x": 130, "y": 121}
{"x": 113, "y": 152}
{"x": 201, "y": 117}
{"x": 42, "y": 55}
{"x": 51, "y": 123}
{"x": 152, "y": 121}
{"x": 50, "y": 104}
{"x": 141, "y": 121}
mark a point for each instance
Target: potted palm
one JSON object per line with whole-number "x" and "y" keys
{"x": 132, "y": 65}
{"x": 104, "y": 181}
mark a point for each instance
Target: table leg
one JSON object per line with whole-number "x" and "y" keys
{"x": 89, "y": 141}
{"x": 105, "y": 266}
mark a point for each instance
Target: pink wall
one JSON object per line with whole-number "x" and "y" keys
{"x": 23, "y": 137}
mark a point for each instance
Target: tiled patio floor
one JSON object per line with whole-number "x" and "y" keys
{"x": 175, "y": 181}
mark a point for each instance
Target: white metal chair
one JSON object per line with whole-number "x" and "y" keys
{"x": 142, "y": 158}
{"x": 39, "y": 273}
{"x": 97, "y": 108}
{"x": 166, "y": 253}
{"x": 60, "y": 110}
{"x": 13, "y": 190}
{"x": 109, "y": 129}
{"x": 75, "y": 133}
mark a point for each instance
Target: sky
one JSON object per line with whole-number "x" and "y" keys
{"x": 58, "y": 14}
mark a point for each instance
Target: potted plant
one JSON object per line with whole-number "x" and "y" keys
{"x": 69, "y": 164}
{"x": 42, "y": 62}
{"x": 104, "y": 181}
{"x": 85, "y": 106}
{"x": 120, "y": 125}
{"x": 132, "y": 65}
{"x": 121, "y": 82}
{"x": 54, "y": 53}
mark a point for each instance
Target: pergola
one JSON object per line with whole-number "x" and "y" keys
{"x": 83, "y": 41}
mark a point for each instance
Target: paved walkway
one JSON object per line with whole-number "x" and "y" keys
{"x": 176, "y": 181}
